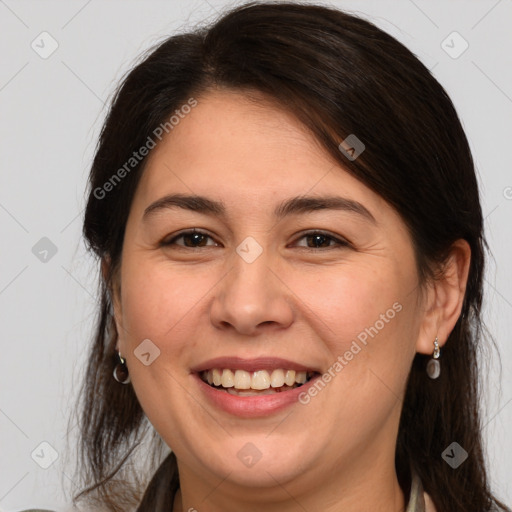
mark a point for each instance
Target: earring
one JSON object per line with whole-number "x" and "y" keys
{"x": 434, "y": 366}
{"x": 121, "y": 371}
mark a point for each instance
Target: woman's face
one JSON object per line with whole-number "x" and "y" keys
{"x": 330, "y": 289}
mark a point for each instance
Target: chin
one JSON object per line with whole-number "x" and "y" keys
{"x": 256, "y": 461}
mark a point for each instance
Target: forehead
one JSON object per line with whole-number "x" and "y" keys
{"x": 231, "y": 133}
{"x": 247, "y": 152}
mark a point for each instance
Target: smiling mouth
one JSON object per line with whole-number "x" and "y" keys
{"x": 260, "y": 382}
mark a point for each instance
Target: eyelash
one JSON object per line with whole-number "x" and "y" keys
{"x": 341, "y": 242}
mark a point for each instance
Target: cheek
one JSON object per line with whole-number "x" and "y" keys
{"x": 351, "y": 302}
{"x": 157, "y": 298}
{"x": 158, "y": 304}
{"x": 364, "y": 315}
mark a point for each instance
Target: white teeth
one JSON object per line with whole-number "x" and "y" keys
{"x": 289, "y": 378}
{"x": 277, "y": 378}
{"x": 259, "y": 380}
{"x": 243, "y": 379}
{"x": 217, "y": 377}
{"x": 228, "y": 379}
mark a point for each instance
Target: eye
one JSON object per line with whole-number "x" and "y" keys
{"x": 192, "y": 238}
{"x": 320, "y": 239}
{"x": 195, "y": 239}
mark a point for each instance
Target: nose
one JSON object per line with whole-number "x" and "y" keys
{"x": 251, "y": 298}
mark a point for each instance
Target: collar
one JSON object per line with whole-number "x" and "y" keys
{"x": 419, "y": 500}
{"x": 416, "y": 500}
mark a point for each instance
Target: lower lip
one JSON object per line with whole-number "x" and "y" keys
{"x": 253, "y": 406}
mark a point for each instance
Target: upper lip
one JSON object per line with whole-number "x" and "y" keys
{"x": 252, "y": 365}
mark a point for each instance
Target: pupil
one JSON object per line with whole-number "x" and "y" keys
{"x": 318, "y": 238}
{"x": 195, "y": 237}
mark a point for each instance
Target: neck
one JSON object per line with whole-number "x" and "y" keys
{"x": 376, "y": 490}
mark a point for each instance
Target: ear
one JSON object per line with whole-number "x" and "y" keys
{"x": 114, "y": 291}
{"x": 444, "y": 299}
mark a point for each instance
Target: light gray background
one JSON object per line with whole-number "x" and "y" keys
{"x": 51, "y": 113}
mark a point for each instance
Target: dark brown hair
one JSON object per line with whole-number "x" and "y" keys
{"x": 339, "y": 75}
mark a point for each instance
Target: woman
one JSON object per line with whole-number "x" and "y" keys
{"x": 287, "y": 217}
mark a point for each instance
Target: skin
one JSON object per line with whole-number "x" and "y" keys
{"x": 337, "y": 452}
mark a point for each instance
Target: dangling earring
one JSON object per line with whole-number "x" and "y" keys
{"x": 434, "y": 366}
{"x": 121, "y": 371}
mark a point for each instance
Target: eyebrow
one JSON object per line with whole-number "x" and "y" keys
{"x": 294, "y": 206}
